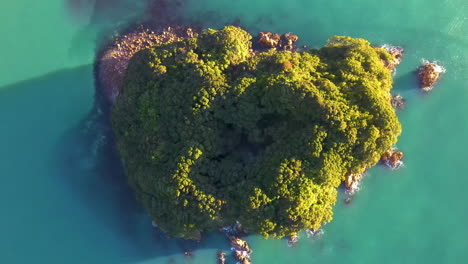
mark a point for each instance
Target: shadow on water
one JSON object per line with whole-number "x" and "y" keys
{"x": 89, "y": 158}
{"x": 86, "y": 165}
{"x": 405, "y": 82}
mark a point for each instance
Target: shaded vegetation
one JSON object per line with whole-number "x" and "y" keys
{"x": 211, "y": 133}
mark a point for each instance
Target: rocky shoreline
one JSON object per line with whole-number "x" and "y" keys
{"x": 397, "y": 55}
{"x": 268, "y": 40}
{"x": 240, "y": 248}
{"x": 112, "y": 62}
{"x": 392, "y": 158}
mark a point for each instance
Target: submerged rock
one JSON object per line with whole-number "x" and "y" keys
{"x": 292, "y": 240}
{"x": 313, "y": 233}
{"x": 392, "y": 158}
{"x": 429, "y": 73}
{"x": 398, "y": 101}
{"x": 289, "y": 41}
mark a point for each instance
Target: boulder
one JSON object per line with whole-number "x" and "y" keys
{"x": 428, "y": 75}
{"x": 268, "y": 39}
{"x": 392, "y": 158}
{"x": 288, "y": 41}
{"x": 352, "y": 182}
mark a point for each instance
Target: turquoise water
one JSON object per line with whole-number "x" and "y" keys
{"x": 64, "y": 198}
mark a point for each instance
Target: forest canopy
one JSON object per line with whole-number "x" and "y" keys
{"x": 211, "y": 133}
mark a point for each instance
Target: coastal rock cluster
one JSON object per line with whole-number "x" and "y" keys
{"x": 274, "y": 40}
{"x": 241, "y": 250}
{"x": 392, "y": 158}
{"x": 352, "y": 181}
{"x": 113, "y": 61}
{"x": 239, "y": 247}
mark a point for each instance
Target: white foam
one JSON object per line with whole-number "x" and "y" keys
{"x": 390, "y": 48}
{"x": 437, "y": 65}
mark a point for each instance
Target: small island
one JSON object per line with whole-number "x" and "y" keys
{"x": 212, "y": 131}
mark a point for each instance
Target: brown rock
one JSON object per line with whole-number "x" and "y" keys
{"x": 386, "y": 156}
{"x": 396, "y": 54}
{"x": 398, "y": 101}
{"x": 268, "y": 39}
{"x": 289, "y": 40}
{"x": 428, "y": 75}
{"x": 395, "y": 158}
{"x": 392, "y": 159}
{"x": 352, "y": 181}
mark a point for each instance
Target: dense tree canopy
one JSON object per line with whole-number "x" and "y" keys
{"x": 210, "y": 132}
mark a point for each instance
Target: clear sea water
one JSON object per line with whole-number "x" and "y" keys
{"x": 64, "y": 198}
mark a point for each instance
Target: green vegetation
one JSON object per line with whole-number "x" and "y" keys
{"x": 210, "y": 133}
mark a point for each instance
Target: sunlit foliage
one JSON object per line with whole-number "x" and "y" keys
{"x": 210, "y": 133}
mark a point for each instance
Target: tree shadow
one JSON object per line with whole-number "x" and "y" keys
{"x": 405, "y": 82}
{"x": 88, "y": 155}
{"x": 86, "y": 165}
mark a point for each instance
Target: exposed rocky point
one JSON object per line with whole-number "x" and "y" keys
{"x": 269, "y": 40}
{"x": 392, "y": 158}
{"x": 352, "y": 182}
{"x": 241, "y": 250}
{"x": 397, "y": 56}
{"x": 274, "y": 40}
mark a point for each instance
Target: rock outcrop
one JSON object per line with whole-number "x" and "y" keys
{"x": 352, "y": 181}
{"x": 273, "y": 40}
{"x": 269, "y": 40}
{"x": 429, "y": 73}
{"x": 241, "y": 250}
{"x": 392, "y": 158}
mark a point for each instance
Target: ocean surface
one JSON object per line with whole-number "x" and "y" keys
{"x": 64, "y": 199}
